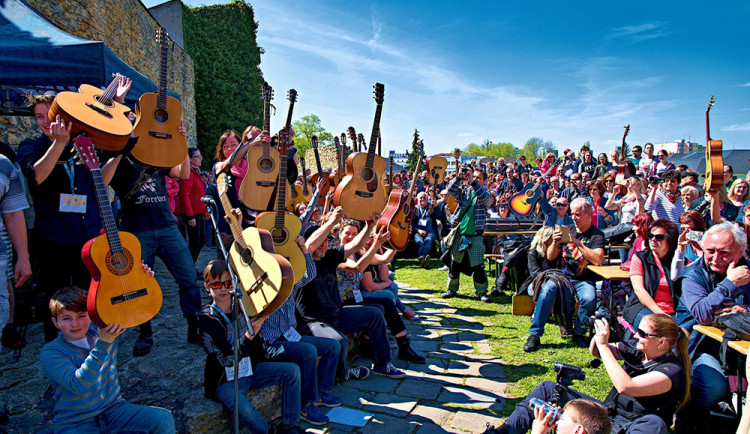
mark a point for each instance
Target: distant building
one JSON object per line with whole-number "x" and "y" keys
{"x": 679, "y": 147}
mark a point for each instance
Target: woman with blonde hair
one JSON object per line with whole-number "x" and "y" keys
{"x": 739, "y": 192}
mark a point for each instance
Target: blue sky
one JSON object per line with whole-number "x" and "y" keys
{"x": 462, "y": 72}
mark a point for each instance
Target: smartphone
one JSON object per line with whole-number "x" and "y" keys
{"x": 694, "y": 236}
{"x": 548, "y": 408}
{"x": 565, "y": 233}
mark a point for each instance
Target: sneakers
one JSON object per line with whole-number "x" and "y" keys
{"x": 420, "y": 261}
{"x": 327, "y": 400}
{"x": 443, "y": 268}
{"x": 143, "y": 345}
{"x": 405, "y": 352}
{"x": 312, "y": 415}
{"x": 484, "y": 299}
{"x": 449, "y": 294}
{"x": 357, "y": 373}
{"x": 496, "y": 292}
{"x": 410, "y": 314}
{"x": 388, "y": 370}
{"x": 581, "y": 341}
{"x": 426, "y": 263}
{"x": 532, "y": 343}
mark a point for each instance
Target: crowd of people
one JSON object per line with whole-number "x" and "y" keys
{"x": 687, "y": 265}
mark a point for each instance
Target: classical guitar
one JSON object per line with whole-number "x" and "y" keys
{"x": 96, "y": 113}
{"x": 624, "y": 168}
{"x": 257, "y": 188}
{"x": 306, "y": 191}
{"x": 436, "y": 169}
{"x": 398, "y": 213}
{"x": 714, "y": 161}
{"x": 284, "y": 227}
{"x": 334, "y": 178}
{"x": 321, "y": 174}
{"x": 451, "y": 203}
{"x": 158, "y": 117}
{"x": 265, "y": 277}
{"x": 120, "y": 291}
{"x": 523, "y": 203}
{"x": 361, "y": 193}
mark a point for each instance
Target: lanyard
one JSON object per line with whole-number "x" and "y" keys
{"x": 229, "y": 323}
{"x": 71, "y": 169}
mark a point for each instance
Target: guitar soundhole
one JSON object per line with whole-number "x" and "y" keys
{"x": 407, "y": 208}
{"x": 161, "y": 115}
{"x": 119, "y": 263}
{"x": 367, "y": 174}
{"x": 279, "y": 235}
{"x": 104, "y": 101}
{"x": 265, "y": 164}
{"x": 247, "y": 257}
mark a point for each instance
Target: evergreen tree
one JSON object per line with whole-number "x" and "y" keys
{"x": 413, "y": 156}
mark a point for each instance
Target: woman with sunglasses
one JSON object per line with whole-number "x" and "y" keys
{"x": 650, "y": 274}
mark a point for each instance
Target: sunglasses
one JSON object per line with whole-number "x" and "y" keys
{"x": 643, "y": 334}
{"x": 657, "y": 237}
{"x": 217, "y": 284}
{"x": 561, "y": 205}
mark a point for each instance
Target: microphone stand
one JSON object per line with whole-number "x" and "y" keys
{"x": 237, "y": 306}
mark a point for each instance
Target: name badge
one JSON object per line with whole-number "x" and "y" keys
{"x": 292, "y": 335}
{"x": 246, "y": 369}
{"x": 73, "y": 203}
{"x": 358, "y": 296}
{"x": 422, "y": 223}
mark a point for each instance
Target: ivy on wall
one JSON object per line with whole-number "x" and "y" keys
{"x": 221, "y": 39}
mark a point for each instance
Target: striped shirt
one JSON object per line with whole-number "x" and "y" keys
{"x": 12, "y": 195}
{"x": 662, "y": 208}
{"x": 85, "y": 382}
{"x": 484, "y": 199}
{"x": 284, "y": 318}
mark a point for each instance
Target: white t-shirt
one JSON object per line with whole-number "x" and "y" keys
{"x": 645, "y": 165}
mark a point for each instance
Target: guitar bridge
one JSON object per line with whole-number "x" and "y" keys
{"x": 363, "y": 193}
{"x": 129, "y": 296}
{"x": 265, "y": 183}
{"x": 100, "y": 110}
{"x": 159, "y": 135}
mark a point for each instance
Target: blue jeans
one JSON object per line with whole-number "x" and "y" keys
{"x": 424, "y": 244}
{"x": 169, "y": 245}
{"x": 265, "y": 374}
{"x": 390, "y": 293}
{"x": 123, "y": 416}
{"x": 586, "y": 304}
{"x": 709, "y": 384}
{"x": 305, "y": 355}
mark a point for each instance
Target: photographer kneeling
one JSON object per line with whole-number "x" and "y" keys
{"x": 651, "y": 385}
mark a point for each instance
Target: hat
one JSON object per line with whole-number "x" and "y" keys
{"x": 309, "y": 231}
{"x": 566, "y": 150}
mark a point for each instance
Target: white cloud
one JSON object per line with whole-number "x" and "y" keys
{"x": 641, "y": 32}
{"x": 743, "y": 85}
{"x": 737, "y": 127}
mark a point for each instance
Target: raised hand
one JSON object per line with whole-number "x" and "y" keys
{"x": 123, "y": 86}
{"x": 60, "y": 131}
{"x": 111, "y": 332}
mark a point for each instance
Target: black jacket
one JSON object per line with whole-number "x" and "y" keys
{"x": 651, "y": 277}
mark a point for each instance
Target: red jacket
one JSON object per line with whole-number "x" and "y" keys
{"x": 191, "y": 192}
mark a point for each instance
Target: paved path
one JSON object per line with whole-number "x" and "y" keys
{"x": 456, "y": 390}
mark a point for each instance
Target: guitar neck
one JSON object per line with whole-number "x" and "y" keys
{"x": 161, "y": 98}
{"x": 234, "y": 225}
{"x": 317, "y": 160}
{"x": 289, "y": 114}
{"x": 304, "y": 177}
{"x": 105, "y": 210}
{"x": 281, "y": 192}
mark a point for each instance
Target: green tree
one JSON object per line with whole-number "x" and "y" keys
{"x": 474, "y": 150}
{"x": 307, "y": 127}
{"x": 413, "y": 156}
{"x": 625, "y": 148}
{"x": 507, "y": 150}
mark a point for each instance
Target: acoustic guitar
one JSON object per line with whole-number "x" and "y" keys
{"x": 398, "y": 212}
{"x": 334, "y": 178}
{"x": 289, "y": 191}
{"x": 158, "y": 117}
{"x": 257, "y": 188}
{"x": 451, "y": 203}
{"x": 266, "y": 278}
{"x": 714, "y": 160}
{"x": 624, "y": 170}
{"x": 120, "y": 291}
{"x": 436, "y": 169}
{"x": 523, "y": 202}
{"x": 321, "y": 174}
{"x": 361, "y": 193}
{"x": 284, "y": 227}
{"x": 95, "y": 113}
{"x": 390, "y": 175}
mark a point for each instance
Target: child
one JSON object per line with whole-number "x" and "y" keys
{"x": 216, "y": 324}
{"x": 81, "y": 365}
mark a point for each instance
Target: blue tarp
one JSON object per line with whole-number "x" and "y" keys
{"x": 35, "y": 54}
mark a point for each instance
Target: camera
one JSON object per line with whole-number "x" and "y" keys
{"x": 655, "y": 180}
{"x": 589, "y": 320}
{"x": 548, "y": 408}
{"x": 567, "y": 373}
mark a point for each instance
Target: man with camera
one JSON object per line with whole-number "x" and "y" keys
{"x": 578, "y": 248}
{"x": 664, "y": 202}
{"x": 716, "y": 285}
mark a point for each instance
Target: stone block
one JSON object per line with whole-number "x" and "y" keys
{"x": 432, "y": 413}
{"x": 463, "y": 396}
{"x": 473, "y": 421}
{"x": 418, "y": 389}
{"x": 392, "y": 404}
{"x": 476, "y": 369}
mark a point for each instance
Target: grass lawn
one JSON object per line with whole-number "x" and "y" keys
{"x": 508, "y": 333}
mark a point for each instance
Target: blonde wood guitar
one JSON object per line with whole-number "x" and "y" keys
{"x": 257, "y": 188}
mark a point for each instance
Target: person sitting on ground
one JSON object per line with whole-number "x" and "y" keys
{"x": 586, "y": 246}
{"x": 81, "y": 366}
{"x": 647, "y": 389}
{"x": 424, "y": 224}
{"x": 217, "y": 328}
{"x": 579, "y": 416}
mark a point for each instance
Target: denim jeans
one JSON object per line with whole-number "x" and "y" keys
{"x": 424, "y": 244}
{"x": 390, "y": 293}
{"x": 709, "y": 384}
{"x": 169, "y": 245}
{"x": 305, "y": 355}
{"x": 123, "y": 416}
{"x": 586, "y": 298}
{"x": 264, "y": 374}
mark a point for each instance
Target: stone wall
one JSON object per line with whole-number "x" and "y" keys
{"x": 129, "y": 31}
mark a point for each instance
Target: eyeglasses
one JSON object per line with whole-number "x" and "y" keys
{"x": 657, "y": 237}
{"x": 609, "y": 181}
{"x": 561, "y": 205}
{"x": 217, "y": 284}
{"x": 644, "y": 335}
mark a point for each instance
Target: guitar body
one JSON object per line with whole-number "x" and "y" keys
{"x": 451, "y": 204}
{"x": 326, "y": 188}
{"x": 436, "y": 169}
{"x": 298, "y": 197}
{"x": 714, "y": 165}
{"x": 267, "y": 278}
{"x": 257, "y": 188}
{"x": 624, "y": 172}
{"x": 121, "y": 291}
{"x": 397, "y": 218}
{"x": 109, "y": 129}
{"x": 160, "y": 143}
{"x": 284, "y": 239}
{"x": 361, "y": 192}
{"x": 523, "y": 202}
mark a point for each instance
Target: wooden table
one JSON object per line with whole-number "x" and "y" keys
{"x": 610, "y": 272}
{"x": 741, "y": 347}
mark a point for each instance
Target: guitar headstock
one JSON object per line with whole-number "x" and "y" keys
{"x": 710, "y": 103}
{"x": 337, "y": 143}
{"x": 86, "y": 152}
{"x": 222, "y": 183}
{"x": 285, "y": 141}
{"x": 314, "y": 141}
{"x": 291, "y": 95}
{"x": 379, "y": 91}
{"x": 266, "y": 92}
{"x": 456, "y": 154}
{"x": 361, "y": 141}
{"x": 627, "y": 130}
{"x": 162, "y": 37}
{"x": 302, "y": 163}
{"x": 352, "y": 135}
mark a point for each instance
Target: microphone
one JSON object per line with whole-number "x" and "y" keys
{"x": 208, "y": 200}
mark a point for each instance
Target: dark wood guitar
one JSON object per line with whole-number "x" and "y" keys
{"x": 624, "y": 168}
{"x": 158, "y": 117}
{"x": 284, "y": 227}
{"x": 321, "y": 174}
{"x": 390, "y": 174}
{"x": 714, "y": 161}
{"x": 451, "y": 203}
{"x": 266, "y": 278}
{"x": 398, "y": 213}
{"x": 289, "y": 192}
{"x": 121, "y": 291}
{"x": 257, "y": 188}
{"x": 334, "y": 178}
{"x": 95, "y": 113}
{"x": 361, "y": 192}
{"x": 353, "y": 137}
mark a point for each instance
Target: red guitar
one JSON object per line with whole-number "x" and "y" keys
{"x": 398, "y": 212}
